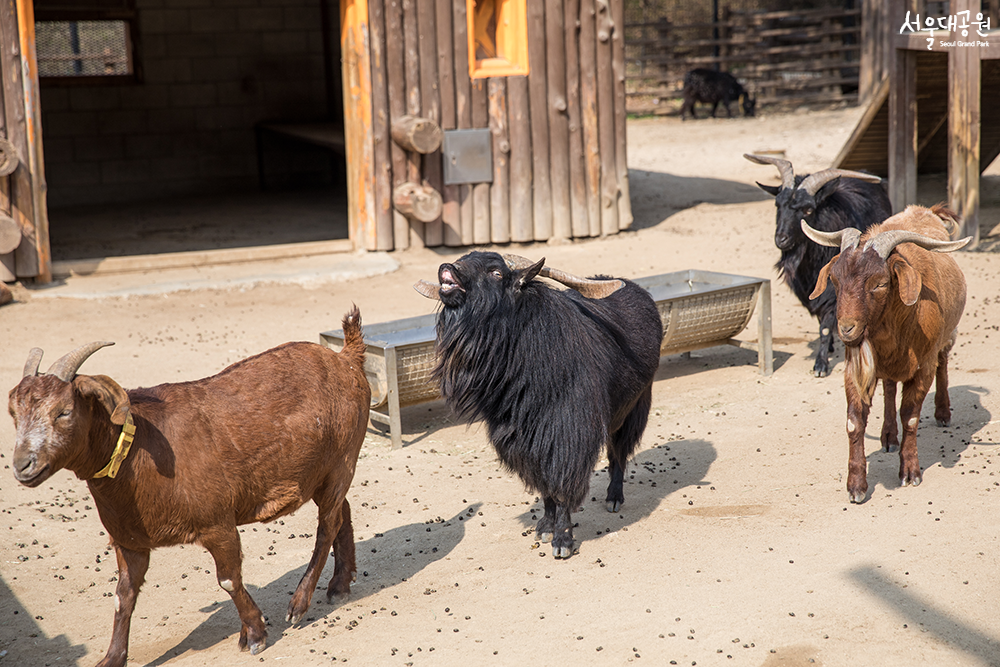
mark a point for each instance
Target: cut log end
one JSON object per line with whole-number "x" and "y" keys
{"x": 419, "y": 202}
{"x": 10, "y": 234}
{"x": 420, "y": 135}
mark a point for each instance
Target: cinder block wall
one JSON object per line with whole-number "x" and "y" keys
{"x": 212, "y": 69}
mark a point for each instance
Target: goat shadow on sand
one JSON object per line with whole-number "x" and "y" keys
{"x": 402, "y": 552}
{"x": 658, "y": 195}
{"x": 31, "y": 641}
{"x": 941, "y": 446}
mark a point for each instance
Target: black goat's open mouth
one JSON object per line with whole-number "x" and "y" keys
{"x": 447, "y": 279}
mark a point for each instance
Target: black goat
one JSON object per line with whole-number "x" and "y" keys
{"x": 554, "y": 374}
{"x": 710, "y": 87}
{"x": 829, "y": 200}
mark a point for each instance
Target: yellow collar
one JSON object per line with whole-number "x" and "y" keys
{"x": 121, "y": 449}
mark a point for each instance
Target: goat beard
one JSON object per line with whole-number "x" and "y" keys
{"x": 860, "y": 370}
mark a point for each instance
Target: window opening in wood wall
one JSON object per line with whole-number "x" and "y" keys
{"x": 498, "y": 38}
{"x": 83, "y": 48}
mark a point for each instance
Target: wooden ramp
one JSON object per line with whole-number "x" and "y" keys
{"x": 868, "y": 146}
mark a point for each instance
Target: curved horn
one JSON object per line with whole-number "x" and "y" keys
{"x": 592, "y": 289}
{"x": 31, "y": 365}
{"x": 845, "y": 239}
{"x": 813, "y": 182}
{"x": 65, "y": 368}
{"x": 784, "y": 168}
{"x": 884, "y": 243}
{"x": 428, "y": 289}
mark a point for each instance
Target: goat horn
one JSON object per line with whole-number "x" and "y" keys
{"x": 813, "y": 182}
{"x": 428, "y": 289}
{"x": 884, "y": 243}
{"x": 66, "y": 367}
{"x": 844, "y": 238}
{"x": 784, "y": 168}
{"x": 592, "y": 289}
{"x": 31, "y": 365}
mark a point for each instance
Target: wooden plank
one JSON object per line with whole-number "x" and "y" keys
{"x": 877, "y": 99}
{"x": 411, "y": 60}
{"x": 395, "y": 56}
{"x": 10, "y": 66}
{"x": 32, "y": 258}
{"x": 606, "y": 120}
{"x": 451, "y": 216}
{"x": 380, "y": 128}
{"x": 481, "y": 231}
{"x": 577, "y": 165}
{"x": 522, "y": 229}
{"x": 538, "y": 102}
{"x": 500, "y": 189}
{"x": 463, "y": 112}
{"x": 903, "y": 131}
{"x": 964, "y": 71}
{"x": 588, "y": 103}
{"x": 555, "y": 58}
{"x": 430, "y": 101}
{"x": 618, "y": 73}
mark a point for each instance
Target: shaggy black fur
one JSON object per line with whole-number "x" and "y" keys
{"x": 554, "y": 375}
{"x": 841, "y": 203}
{"x": 710, "y": 87}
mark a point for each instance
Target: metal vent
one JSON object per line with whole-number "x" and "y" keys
{"x": 82, "y": 48}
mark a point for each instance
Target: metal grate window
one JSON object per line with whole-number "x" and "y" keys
{"x": 83, "y": 48}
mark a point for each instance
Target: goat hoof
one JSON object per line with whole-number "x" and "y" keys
{"x": 564, "y": 552}
{"x": 943, "y": 422}
{"x": 858, "y": 497}
{"x": 257, "y": 647}
{"x": 544, "y": 538}
{"x": 890, "y": 447}
{"x": 910, "y": 481}
{"x": 615, "y": 505}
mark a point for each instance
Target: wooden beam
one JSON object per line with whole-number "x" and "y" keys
{"x": 903, "y": 130}
{"x": 382, "y": 154}
{"x": 964, "y": 70}
{"x": 537, "y": 92}
{"x": 358, "y": 122}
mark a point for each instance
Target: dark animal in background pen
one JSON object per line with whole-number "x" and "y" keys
{"x": 556, "y": 375}
{"x": 829, "y": 200}
{"x": 710, "y": 87}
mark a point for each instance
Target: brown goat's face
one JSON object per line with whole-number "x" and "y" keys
{"x": 45, "y": 418}
{"x": 863, "y": 283}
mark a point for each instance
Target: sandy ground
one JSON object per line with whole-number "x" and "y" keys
{"x": 736, "y": 546}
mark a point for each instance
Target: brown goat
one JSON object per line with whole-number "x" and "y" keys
{"x": 898, "y": 307}
{"x": 251, "y": 444}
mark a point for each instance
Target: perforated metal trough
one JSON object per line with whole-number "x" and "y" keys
{"x": 699, "y": 309}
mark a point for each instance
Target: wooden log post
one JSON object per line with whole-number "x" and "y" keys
{"x": 463, "y": 112}
{"x": 396, "y": 79}
{"x": 358, "y": 122}
{"x": 451, "y": 215}
{"x": 902, "y": 127}
{"x": 522, "y": 229}
{"x": 411, "y": 43}
{"x": 964, "y": 117}
{"x": 380, "y": 127}
{"x": 430, "y": 101}
{"x": 606, "y": 120}
{"x": 500, "y": 189}
{"x": 618, "y": 74}
{"x": 577, "y": 167}
{"x": 418, "y": 202}
{"x": 555, "y": 57}
{"x": 588, "y": 100}
{"x": 481, "y": 230}
{"x": 538, "y": 104}
{"x": 420, "y": 135}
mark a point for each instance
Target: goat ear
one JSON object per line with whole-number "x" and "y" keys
{"x": 769, "y": 189}
{"x": 826, "y": 190}
{"x": 908, "y": 279}
{"x": 525, "y": 276}
{"x": 108, "y": 392}
{"x": 824, "y": 275}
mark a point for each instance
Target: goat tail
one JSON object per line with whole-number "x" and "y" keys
{"x": 952, "y": 221}
{"x": 354, "y": 338}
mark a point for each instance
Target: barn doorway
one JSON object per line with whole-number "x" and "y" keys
{"x": 170, "y": 129}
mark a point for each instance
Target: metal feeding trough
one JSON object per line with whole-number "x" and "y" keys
{"x": 699, "y": 309}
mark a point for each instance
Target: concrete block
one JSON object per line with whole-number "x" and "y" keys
{"x": 266, "y": 19}
{"x": 98, "y": 148}
{"x": 193, "y": 95}
{"x": 69, "y": 123}
{"x": 96, "y": 98}
{"x": 191, "y": 45}
{"x": 156, "y": 21}
{"x": 123, "y": 172}
{"x": 213, "y": 20}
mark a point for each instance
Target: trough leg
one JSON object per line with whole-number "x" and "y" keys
{"x": 344, "y": 567}
{"x": 765, "y": 345}
{"x": 392, "y": 379}
{"x": 224, "y": 545}
{"x": 132, "y": 566}
{"x": 890, "y": 425}
{"x": 330, "y": 522}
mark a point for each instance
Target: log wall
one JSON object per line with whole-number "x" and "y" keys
{"x": 558, "y": 139}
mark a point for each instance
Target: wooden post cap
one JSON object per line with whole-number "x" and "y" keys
{"x": 420, "y": 202}
{"x": 417, "y": 134}
{"x": 10, "y": 234}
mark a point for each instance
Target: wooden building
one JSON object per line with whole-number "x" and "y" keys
{"x": 463, "y": 122}
{"x": 932, "y": 100}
